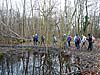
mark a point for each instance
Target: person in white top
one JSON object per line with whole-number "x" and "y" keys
{"x": 54, "y": 40}
{"x": 83, "y": 41}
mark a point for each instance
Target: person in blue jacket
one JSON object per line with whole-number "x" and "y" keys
{"x": 36, "y": 38}
{"x": 77, "y": 41}
{"x": 69, "y": 40}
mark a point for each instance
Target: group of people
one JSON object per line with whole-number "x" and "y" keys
{"x": 36, "y": 39}
{"x": 41, "y": 39}
{"x": 89, "y": 39}
{"x": 79, "y": 41}
{"x": 83, "y": 40}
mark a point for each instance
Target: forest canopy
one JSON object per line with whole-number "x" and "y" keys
{"x": 23, "y": 18}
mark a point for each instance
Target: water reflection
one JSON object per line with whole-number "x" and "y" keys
{"x": 34, "y": 65}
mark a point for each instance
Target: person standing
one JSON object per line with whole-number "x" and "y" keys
{"x": 77, "y": 40}
{"x": 69, "y": 40}
{"x": 90, "y": 42}
{"x": 54, "y": 40}
{"x": 43, "y": 40}
{"x": 33, "y": 40}
{"x": 36, "y": 39}
{"x": 64, "y": 41}
{"x": 83, "y": 41}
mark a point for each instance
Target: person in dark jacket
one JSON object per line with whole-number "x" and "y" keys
{"x": 43, "y": 40}
{"x": 90, "y": 42}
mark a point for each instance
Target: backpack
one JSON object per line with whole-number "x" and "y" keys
{"x": 78, "y": 39}
{"x": 69, "y": 38}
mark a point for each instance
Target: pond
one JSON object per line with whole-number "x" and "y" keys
{"x": 29, "y": 63}
{"x": 37, "y": 62}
